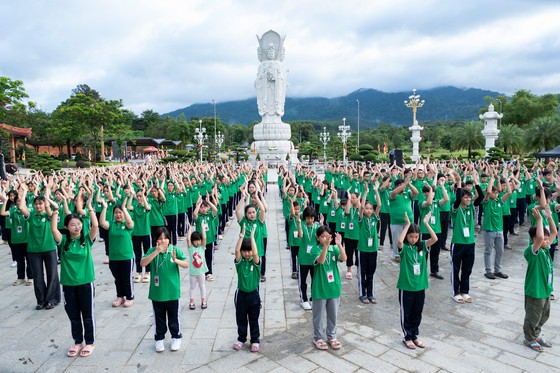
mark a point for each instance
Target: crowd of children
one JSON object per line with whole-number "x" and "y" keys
{"x": 143, "y": 212}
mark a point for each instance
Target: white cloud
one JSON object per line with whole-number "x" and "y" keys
{"x": 169, "y": 54}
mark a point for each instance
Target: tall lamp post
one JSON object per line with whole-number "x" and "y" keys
{"x": 344, "y": 134}
{"x": 325, "y": 137}
{"x": 219, "y": 139}
{"x": 200, "y": 136}
{"x": 414, "y": 103}
{"x": 358, "y": 101}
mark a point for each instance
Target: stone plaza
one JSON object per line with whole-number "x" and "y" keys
{"x": 485, "y": 336}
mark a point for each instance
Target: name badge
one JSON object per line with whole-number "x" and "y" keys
{"x": 499, "y": 205}
{"x": 330, "y": 276}
{"x": 370, "y": 242}
{"x": 351, "y": 226}
{"x": 342, "y": 225}
{"x": 416, "y": 269}
{"x": 19, "y": 229}
{"x": 295, "y": 234}
{"x": 550, "y": 278}
{"x": 432, "y": 220}
{"x": 325, "y": 203}
{"x": 332, "y": 213}
{"x": 466, "y": 232}
{"x": 156, "y": 281}
{"x": 309, "y": 247}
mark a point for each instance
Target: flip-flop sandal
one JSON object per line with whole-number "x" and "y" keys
{"x": 543, "y": 342}
{"x": 419, "y": 343}
{"x": 74, "y": 350}
{"x": 534, "y": 345}
{"x": 364, "y": 299}
{"x": 87, "y": 350}
{"x": 409, "y": 344}
{"x": 372, "y": 300}
{"x": 192, "y": 306}
{"x": 349, "y": 275}
{"x": 458, "y": 298}
{"x": 255, "y": 347}
{"x": 467, "y": 298}
{"x": 335, "y": 344}
{"x": 320, "y": 344}
{"x": 204, "y": 305}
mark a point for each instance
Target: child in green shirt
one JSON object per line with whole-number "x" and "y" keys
{"x": 165, "y": 288}
{"x": 413, "y": 278}
{"x": 538, "y": 280}
{"x": 247, "y": 298}
{"x": 326, "y": 287}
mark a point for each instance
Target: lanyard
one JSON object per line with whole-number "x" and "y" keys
{"x": 463, "y": 216}
{"x": 308, "y": 232}
{"x": 369, "y": 225}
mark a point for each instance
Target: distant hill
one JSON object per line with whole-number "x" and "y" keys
{"x": 376, "y": 107}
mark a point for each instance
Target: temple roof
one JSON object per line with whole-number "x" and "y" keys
{"x": 16, "y": 131}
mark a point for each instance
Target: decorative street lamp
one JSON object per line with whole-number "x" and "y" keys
{"x": 358, "y": 101}
{"x": 325, "y": 137}
{"x": 344, "y": 134}
{"x": 200, "y": 136}
{"x": 414, "y": 103}
{"x": 214, "y": 103}
{"x": 219, "y": 139}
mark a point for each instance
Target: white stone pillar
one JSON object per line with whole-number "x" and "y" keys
{"x": 415, "y": 140}
{"x": 490, "y": 131}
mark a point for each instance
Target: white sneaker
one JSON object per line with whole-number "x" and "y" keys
{"x": 160, "y": 347}
{"x": 14, "y": 264}
{"x": 175, "y": 344}
{"x": 306, "y": 306}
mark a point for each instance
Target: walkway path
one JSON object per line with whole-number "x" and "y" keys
{"x": 483, "y": 336}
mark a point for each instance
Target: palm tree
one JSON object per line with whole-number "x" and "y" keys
{"x": 468, "y": 136}
{"x": 511, "y": 137}
{"x": 543, "y": 133}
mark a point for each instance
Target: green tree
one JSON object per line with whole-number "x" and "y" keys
{"x": 510, "y": 137}
{"x": 468, "y": 136}
{"x": 525, "y": 106}
{"x": 87, "y": 109}
{"x": 543, "y": 133}
{"x": 12, "y": 94}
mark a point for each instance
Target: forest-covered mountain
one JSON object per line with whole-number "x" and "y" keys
{"x": 376, "y": 107}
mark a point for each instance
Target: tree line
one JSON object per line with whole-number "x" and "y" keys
{"x": 530, "y": 123}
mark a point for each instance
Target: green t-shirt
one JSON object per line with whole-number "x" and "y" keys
{"x": 538, "y": 278}
{"x": 248, "y": 274}
{"x": 293, "y": 238}
{"x": 326, "y": 278}
{"x": 208, "y": 223}
{"x": 19, "y": 227}
{"x": 340, "y": 220}
{"x": 259, "y": 234}
{"x": 167, "y": 273}
{"x": 368, "y": 241}
{"x": 120, "y": 241}
{"x": 434, "y": 219}
{"x": 463, "y": 225}
{"x": 353, "y": 224}
{"x": 493, "y": 215}
{"x": 141, "y": 218}
{"x": 398, "y": 207}
{"x": 197, "y": 261}
{"x": 76, "y": 261}
{"x": 40, "y": 239}
{"x": 413, "y": 274}
{"x": 308, "y": 242}
{"x": 156, "y": 212}
{"x": 170, "y": 206}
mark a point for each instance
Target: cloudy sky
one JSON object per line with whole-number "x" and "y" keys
{"x": 168, "y": 54}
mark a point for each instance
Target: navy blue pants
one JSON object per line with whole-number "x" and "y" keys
{"x": 167, "y": 313}
{"x": 247, "y": 311}
{"x": 78, "y": 304}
